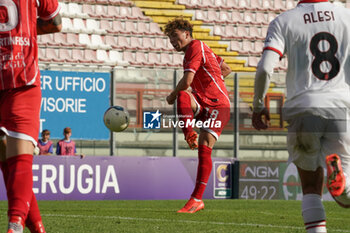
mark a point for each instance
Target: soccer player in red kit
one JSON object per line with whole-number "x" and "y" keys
{"x": 20, "y": 99}
{"x": 207, "y": 101}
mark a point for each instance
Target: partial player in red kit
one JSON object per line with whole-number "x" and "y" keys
{"x": 207, "y": 102}
{"x": 20, "y": 98}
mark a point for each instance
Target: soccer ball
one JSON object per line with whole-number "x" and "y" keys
{"x": 116, "y": 118}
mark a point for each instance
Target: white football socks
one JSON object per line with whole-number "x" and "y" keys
{"x": 313, "y": 214}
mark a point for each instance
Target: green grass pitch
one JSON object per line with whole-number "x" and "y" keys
{"x": 253, "y": 216}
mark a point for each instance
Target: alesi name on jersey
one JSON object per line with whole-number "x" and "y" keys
{"x": 320, "y": 16}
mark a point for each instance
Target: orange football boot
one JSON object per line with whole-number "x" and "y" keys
{"x": 191, "y": 139}
{"x": 335, "y": 176}
{"x": 192, "y": 206}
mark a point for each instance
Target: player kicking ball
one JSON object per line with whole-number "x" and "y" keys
{"x": 315, "y": 37}
{"x": 207, "y": 101}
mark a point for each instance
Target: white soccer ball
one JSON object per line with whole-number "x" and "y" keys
{"x": 116, "y": 118}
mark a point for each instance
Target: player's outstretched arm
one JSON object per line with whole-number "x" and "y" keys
{"x": 225, "y": 69}
{"x": 49, "y": 26}
{"x": 263, "y": 74}
{"x": 182, "y": 85}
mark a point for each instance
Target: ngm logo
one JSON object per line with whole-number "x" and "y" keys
{"x": 259, "y": 171}
{"x": 151, "y": 120}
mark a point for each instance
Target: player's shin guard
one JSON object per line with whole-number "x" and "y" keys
{"x": 203, "y": 172}
{"x": 313, "y": 214}
{"x": 184, "y": 110}
{"x": 19, "y": 185}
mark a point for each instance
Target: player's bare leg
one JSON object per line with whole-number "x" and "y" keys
{"x": 312, "y": 208}
{"x": 186, "y": 109}
{"x": 206, "y": 143}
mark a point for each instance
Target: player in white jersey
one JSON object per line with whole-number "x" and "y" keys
{"x": 315, "y": 36}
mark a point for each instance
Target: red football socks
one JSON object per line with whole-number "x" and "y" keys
{"x": 19, "y": 185}
{"x": 184, "y": 110}
{"x": 203, "y": 172}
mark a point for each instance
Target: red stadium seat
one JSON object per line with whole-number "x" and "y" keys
{"x": 123, "y": 43}
{"x": 112, "y": 41}
{"x": 148, "y": 43}
{"x": 160, "y": 44}
{"x": 135, "y": 43}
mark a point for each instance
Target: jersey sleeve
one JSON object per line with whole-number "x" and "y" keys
{"x": 193, "y": 58}
{"x": 219, "y": 59}
{"x": 274, "y": 39}
{"x": 48, "y": 9}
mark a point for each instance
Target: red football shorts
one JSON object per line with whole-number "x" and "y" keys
{"x": 216, "y": 115}
{"x": 20, "y": 112}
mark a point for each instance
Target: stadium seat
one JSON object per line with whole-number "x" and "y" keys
{"x": 63, "y": 9}
{"x": 147, "y": 43}
{"x": 137, "y": 13}
{"x": 258, "y": 47}
{"x": 73, "y": 40}
{"x": 41, "y": 54}
{"x": 247, "y": 47}
{"x": 289, "y": 4}
{"x": 102, "y": 56}
{"x": 123, "y": 42}
{"x": 46, "y": 39}
{"x": 249, "y": 18}
{"x": 67, "y": 25}
{"x": 78, "y": 56}
{"x": 255, "y": 4}
{"x": 242, "y": 32}
{"x": 74, "y": 10}
{"x": 141, "y": 59}
{"x": 142, "y": 28}
{"x": 153, "y": 59}
{"x": 124, "y": 12}
{"x": 236, "y": 46}
{"x": 160, "y": 44}
{"x": 193, "y": 4}
{"x": 270, "y": 16}
{"x": 85, "y": 39}
{"x": 130, "y": 28}
{"x": 279, "y": 5}
{"x": 243, "y": 5}
{"x": 65, "y": 55}
{"x": 79, "y": 26}
{"x": 212, "y": 17}
{"x": 231, "y": 5}
{"x": 224, "y": 17}
{"x": 106, "y": 25}
{"x": 97, "y": 42}
{"x": 218, "y": 30}
{"x": 177, "y": 59}
{"x": 92, "y": 26}
{"x": 237, "y": 17}
{"x": 111, "y": 40}
{"x": 116, "y": 56}
{"x": 52, "y": 55}
{"x": 154, "y": 29}
{"x": 129, "y": 57}
{"x": 253, "y": 61}
{"x": 267, "y": 5}
{"x": 117, "y": 27}
{"x": 261, "y": 18}
{"x": 255, "y": 33}
{"x": 264, "y": 32}
{"x": 169, "y": 45}
{"x": 135, "y": 43}
{"x": 91, "y": 56}
{"x": 165, "y": 60}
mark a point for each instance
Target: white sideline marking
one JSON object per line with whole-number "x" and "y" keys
{"x": 179, "y": 221}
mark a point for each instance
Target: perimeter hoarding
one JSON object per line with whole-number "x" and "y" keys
{"x": 271, "y": 180}
{"x": 77, "y": 100}
{"x": 123, "y": 178}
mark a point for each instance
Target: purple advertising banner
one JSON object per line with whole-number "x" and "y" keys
{"x": 123, "y": 178}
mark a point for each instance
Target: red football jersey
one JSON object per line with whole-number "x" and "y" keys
{"x": 208, "y": 83}
{"x": 19, "y": 49}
